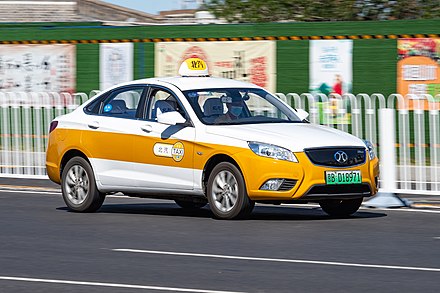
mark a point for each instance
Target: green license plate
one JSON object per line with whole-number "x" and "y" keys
{"x": 343, "y": 177}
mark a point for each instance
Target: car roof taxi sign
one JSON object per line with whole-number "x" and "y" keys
{"x": 193, "y": 67}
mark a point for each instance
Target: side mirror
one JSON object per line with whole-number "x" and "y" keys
{"x": 302, "y": 114}
{"x": 171, "y": 118}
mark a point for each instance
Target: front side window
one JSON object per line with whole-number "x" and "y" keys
{"x": 162, "y": 101}
{"x": 239, "y": 106}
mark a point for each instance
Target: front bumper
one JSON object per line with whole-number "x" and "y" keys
{"x": 310, "y": 178}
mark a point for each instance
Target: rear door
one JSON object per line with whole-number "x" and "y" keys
{"x": 110, "y": 132}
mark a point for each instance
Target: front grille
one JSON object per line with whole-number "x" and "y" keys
{"x": 343, "y": 189}
{"x": 328, "y": 156}
{"x": 288, "y": 184}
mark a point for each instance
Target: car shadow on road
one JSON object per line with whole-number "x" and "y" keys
{"x": 265, "y": 213}
{"x": 292, "y": 213}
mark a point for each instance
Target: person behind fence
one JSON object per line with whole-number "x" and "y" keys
{"x": 235, "y": 106}
{"x": 337, "y": 86}
{"x": 337, "y": 90}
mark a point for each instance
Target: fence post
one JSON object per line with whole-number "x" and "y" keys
{"x": 434, "y": 141}
{"x": 94, "y": 93}
{"x": 5, "y": 146}
{"x": 294, "y": 100}
{"x": 281, "y": 96}
{"x": 387, "y": 198}
{"x": 313, "y": 110}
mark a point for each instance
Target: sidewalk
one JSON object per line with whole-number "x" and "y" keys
{"x": 418, "y": 201}
{"x": 20, "y": 183}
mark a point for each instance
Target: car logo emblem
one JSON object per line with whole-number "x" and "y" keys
{"x": 341, "y": 157}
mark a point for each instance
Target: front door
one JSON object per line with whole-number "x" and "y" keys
{"x": 164, "y": 152}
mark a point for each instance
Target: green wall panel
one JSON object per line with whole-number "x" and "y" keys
{"x": 149, "y": 58}
{"x": 143, "y": 60}
{"x": 87, "y": 64}
{"x": 90, "y": 31}
{"x": 292, "y": 66}
{"x": 375, "y": 66}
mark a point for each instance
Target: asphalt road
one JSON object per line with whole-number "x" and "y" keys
{"x": 141, "y": 245}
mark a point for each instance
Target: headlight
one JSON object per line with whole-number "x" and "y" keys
{"x": 272, "y": 151}
{"x": 370, "y": 148}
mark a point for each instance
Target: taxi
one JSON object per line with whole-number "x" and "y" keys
{"x": 197, "y": 139}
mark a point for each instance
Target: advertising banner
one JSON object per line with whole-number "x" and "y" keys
{"x": 418, "y": 70}
{"x": 38, "y": 68}
{"x": 331, "y": 72}
{"x": 115, "y": 64}
{"x": 331, "y": 66}
{"x": 251, "y": 61}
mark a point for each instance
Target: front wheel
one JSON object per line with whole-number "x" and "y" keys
{"x": 340, "y": 207}
{"x": 79, "y": 187}
{"x": 227, "y": 194}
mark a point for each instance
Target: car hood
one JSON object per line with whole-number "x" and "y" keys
{"x": 293, "y": 136}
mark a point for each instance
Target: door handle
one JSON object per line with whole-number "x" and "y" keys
{"x": 94, "y": 125}
{"x": 147, "y": 128}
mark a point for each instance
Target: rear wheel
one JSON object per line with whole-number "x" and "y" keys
{"x": 340, "y": 207}
{"x": 227, "y": 194}
{"x": 79, "y": 187}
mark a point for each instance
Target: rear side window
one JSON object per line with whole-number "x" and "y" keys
{"x": 121, "y": 103}
{"x": 93, "y": 107}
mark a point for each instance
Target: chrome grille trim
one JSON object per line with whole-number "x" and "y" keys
{"x": 326, "y": 156}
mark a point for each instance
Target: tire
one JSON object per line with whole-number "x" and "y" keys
{"x": 227, "y": 194}
{"x": 341, "y": 208}
{"x": 190, "y": 205}
{"x": 78, "y": 186}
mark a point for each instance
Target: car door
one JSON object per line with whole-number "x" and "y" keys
{"x": 109, "y": 136}
{"x": 164, "y": 152}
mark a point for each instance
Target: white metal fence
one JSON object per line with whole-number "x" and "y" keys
{"x": 416, "y": 128}
{"x": 25, "y": 118}
{"x": 24, "y": 127}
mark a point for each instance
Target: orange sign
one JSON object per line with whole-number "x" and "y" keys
{"x": 418, "y": 70}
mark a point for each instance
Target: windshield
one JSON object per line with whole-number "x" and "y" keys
{"x": 239, "y": 106}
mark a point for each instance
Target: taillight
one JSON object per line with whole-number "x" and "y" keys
{"x": 53, "y": 125}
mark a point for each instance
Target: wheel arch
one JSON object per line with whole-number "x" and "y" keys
{"x": 71, "y": 154}
{"x": 214, "y": 161}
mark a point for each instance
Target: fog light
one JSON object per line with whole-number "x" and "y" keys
{"x": 272, "y": 184}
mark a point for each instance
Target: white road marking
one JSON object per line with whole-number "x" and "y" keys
{"x": 29, "y": 192}
{"x": 51, "y": 193}
{"x": 115, "y": 285}
{"x": 316, "y": 262}
{"x": 408, "y": 210}
{"x": 17, "y": 176}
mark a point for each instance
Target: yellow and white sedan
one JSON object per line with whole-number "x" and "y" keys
{"x": 197, "y": 139}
